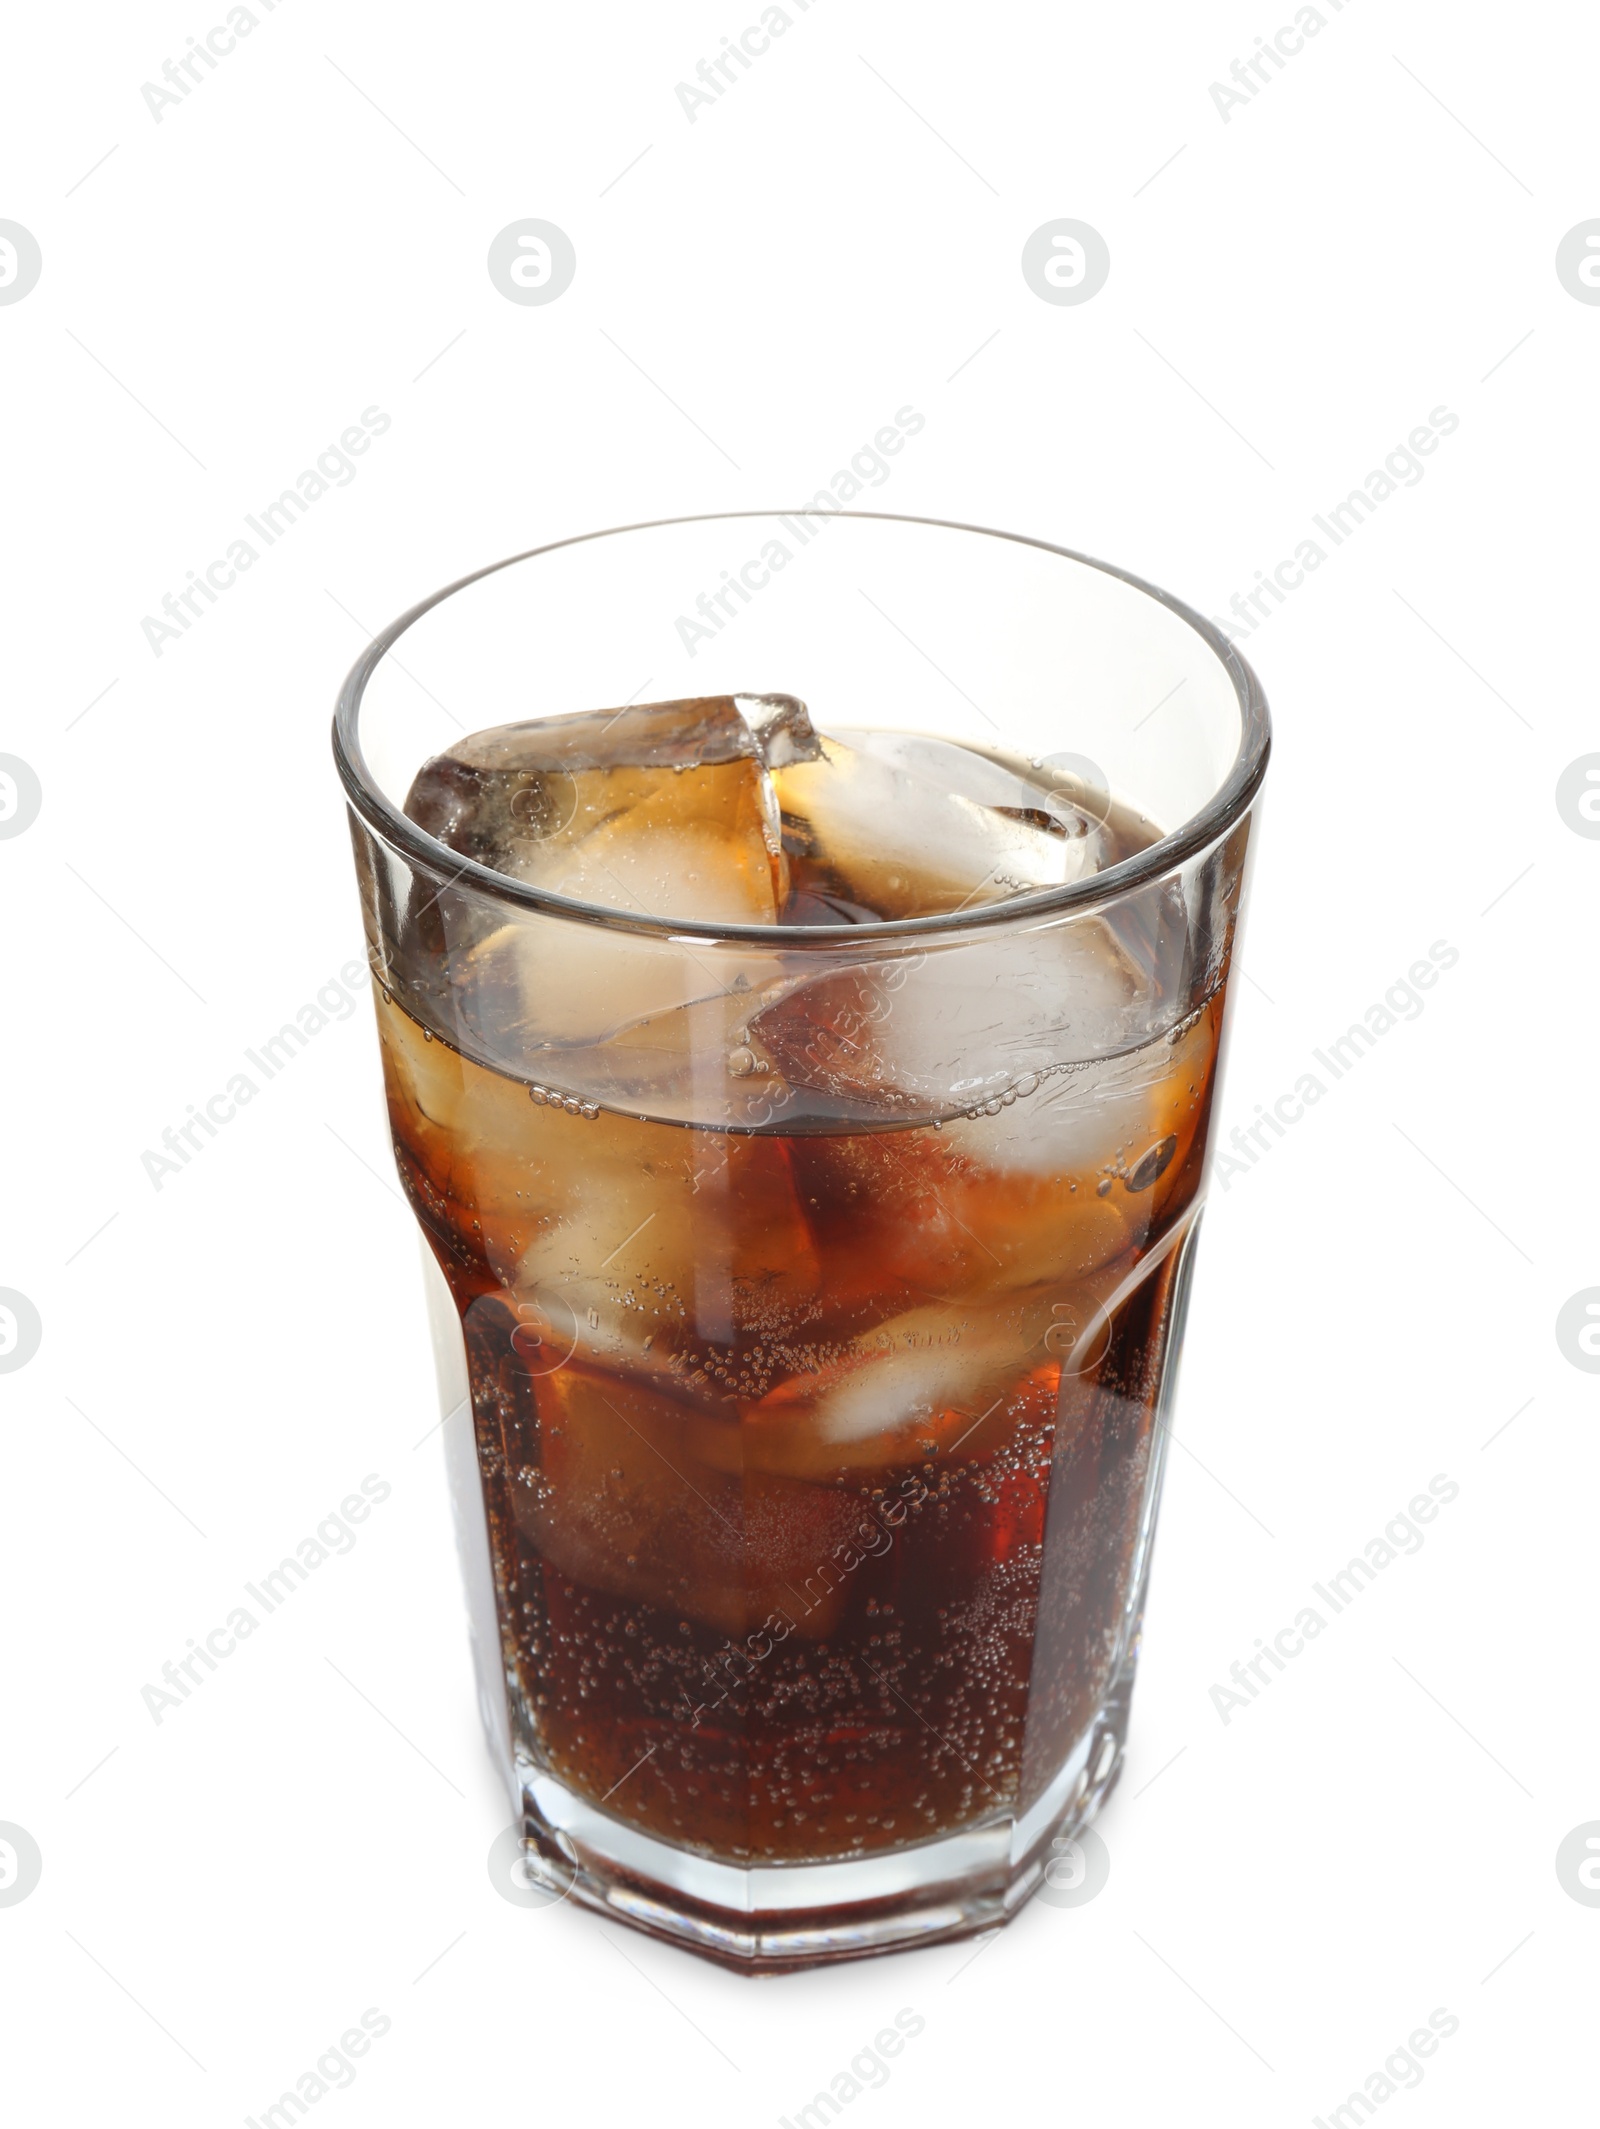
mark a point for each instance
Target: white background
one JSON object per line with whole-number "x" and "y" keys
{"x": 303, "y": 236}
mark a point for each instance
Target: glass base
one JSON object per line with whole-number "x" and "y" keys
{"x": 775, "y": 1920}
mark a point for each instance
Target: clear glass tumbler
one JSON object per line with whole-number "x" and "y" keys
{"x": 808, "y": 1296}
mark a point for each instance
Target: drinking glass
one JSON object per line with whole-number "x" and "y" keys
{"x": 807, "y": 1297}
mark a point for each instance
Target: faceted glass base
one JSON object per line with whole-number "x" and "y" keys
{"x": 775, "y": 1920}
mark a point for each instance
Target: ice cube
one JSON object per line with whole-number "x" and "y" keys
{"x": 898, "y": 824}
{"x": 914, "y": 1387}
{"x": 620, "y": 1500}
{"x": 946, "y": 1381}
{"x": 684, "y": 1263}
{"x": 781, "y": 727}
{"x": 662, "y": 808}
{"x": 1055, "y": 1169}
{"x": 942, "y": 1030}
{"x": 675, "y": 1247}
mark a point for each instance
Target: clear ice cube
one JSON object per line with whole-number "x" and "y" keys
{"x": 662, "y": 808}
{"x": 898, "y": 824}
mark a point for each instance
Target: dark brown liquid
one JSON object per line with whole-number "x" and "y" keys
{"x": 814, "y": 1464}
{"x": 815, "y": 1303}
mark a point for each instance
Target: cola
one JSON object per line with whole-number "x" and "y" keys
{"x": 817, "y": 1261}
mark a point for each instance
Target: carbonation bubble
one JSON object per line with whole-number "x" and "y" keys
{"x": 1151, "y": 1166}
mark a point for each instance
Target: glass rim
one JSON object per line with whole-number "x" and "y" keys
{"x": 1221, "y": 811}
